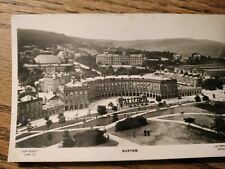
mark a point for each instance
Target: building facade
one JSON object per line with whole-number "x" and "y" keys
{"x": 117, "y": 59}
{"x": 29, "y": 107}
{"x": 53, "y": 106}
{"x": 78, "y": 95}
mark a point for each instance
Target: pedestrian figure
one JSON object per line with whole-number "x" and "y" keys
{"x": 148, "y": 132}
{"x": 145, "y": 132}
{"x": 214, "y": 96}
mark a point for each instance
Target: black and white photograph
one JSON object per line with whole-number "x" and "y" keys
{"x": 113, "y": 87}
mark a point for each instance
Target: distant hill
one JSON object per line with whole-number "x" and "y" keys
{"x": 40, "y": 38}
{"x": 181, "y": 46}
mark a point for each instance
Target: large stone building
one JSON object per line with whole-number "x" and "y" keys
{"x": 78, "y": 94}
{"x": 117, "y": 59}
{"x": 29, "y": 107}
{"x": 205, "y": 70}
{"x": 49, "y": 63}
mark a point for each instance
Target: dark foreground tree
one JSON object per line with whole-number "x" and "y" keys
{"x": 68, "y": 141}
{"x": 219, "y": 124}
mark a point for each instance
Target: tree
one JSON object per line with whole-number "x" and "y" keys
{"x": 219, "y": 124}
{"x": 46, "y": 118}
{"x": 110, "y": 104}
{"x": 115, "y": 117}
{"x": 48, "y": 123}
{"x": 120, "y": 101}
{"x": 101, "y": 109}
{"x": 205, "y": 98}
{"x": 68, "y": 141}
{"x": 109, "y": 71}
{"x": 197, "y": 98}
{"x": 213, "y": 84}
{"x": 158, "y": 98}
{"x": 61, "y": 118}
{"x": 114, "y": 108}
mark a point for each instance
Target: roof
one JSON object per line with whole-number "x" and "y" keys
{"x": 53, "y": 104}
{"x": 47, "y": 58}
{"x": 47, "y": 96}
{"x": 146, "y": 76}
{"x": 27, "y": 98}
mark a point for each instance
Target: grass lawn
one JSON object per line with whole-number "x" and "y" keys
{"x": 42, "y": 141}
{"x": 214, "y": 107}
{"x": 24, "y": 135}
{"x": 167, "y": 134}
{"x": 201, "y": 120}
{"x": 185, "y": 109}
{"x": 56, "y": 125}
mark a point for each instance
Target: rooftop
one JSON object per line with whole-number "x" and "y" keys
{"x": 27, "y": 98}
{"x": 47, "y": 58}
{"x": 83, "y": 82}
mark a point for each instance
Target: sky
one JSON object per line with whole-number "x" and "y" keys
{"x": 128, "y": 26}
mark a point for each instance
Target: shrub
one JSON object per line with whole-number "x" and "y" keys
{"x": 90, "y": 137}
{"x": 114, "y": 108}
{"x": 205, "y": 98}
{"x": 130, "y": 123}
{"x": 101, "y": 109}
{"x": 158, "y": 98}
{"x": 48, "y": 123}
{"x": 115, "y": 117}
{"x": 189, "y": 120}
{"x": 197, "y": 98}
{"x": 111, "y": 104}
{"x": 62, "y": 120}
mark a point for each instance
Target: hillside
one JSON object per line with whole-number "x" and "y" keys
{"x": 180, "y": 46}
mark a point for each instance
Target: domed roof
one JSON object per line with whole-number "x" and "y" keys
{"x": 47, "y": 58}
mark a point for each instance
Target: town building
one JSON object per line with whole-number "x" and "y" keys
{"x": 205, "y": 70}
{"x": 117, "y": 59}
{"x": 49, "y": 63}
{"x": 53, "y": 106}
{"x": 29, "y": 107}
{"x": 51, "y": 81}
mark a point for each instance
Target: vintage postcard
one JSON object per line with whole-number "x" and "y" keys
{"x": 114, "y": 87}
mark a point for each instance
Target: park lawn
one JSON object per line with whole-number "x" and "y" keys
{"x": 25, "y": 135}
{"x": 201, "y": 120}
{"x": 42, "y": 140}
{"x": 56, "y": 125}
{"x": 175, "y": 110}
{"x": 103, "y": 121}
{"x": 214, "y": 107}
{"x": 164, "y": 133}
